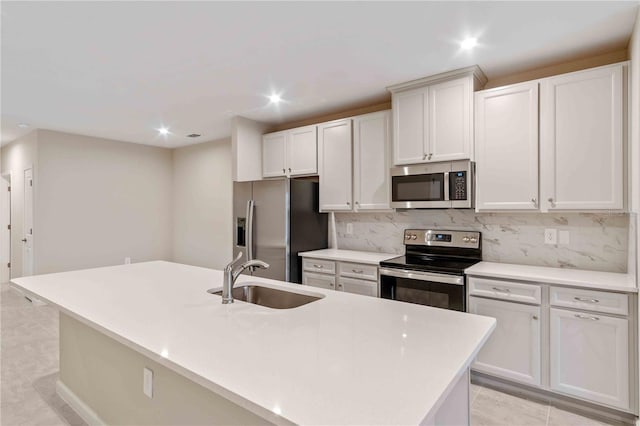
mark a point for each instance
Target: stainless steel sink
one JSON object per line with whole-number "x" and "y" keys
{"x": 269, "y": 297}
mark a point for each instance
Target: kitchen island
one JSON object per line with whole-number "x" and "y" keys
{"x": 343, "y": 359}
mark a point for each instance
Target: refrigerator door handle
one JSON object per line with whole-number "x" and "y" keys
{"x": 249, "y": 230}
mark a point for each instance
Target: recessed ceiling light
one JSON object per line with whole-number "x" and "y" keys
{"x": 163, "y": 131}
{"x": 23, "y": 125}
{"x": 275, "y": 98}
{"x": 469, "y": 43}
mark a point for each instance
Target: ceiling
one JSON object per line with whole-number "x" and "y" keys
{"x": 121, "y": 70}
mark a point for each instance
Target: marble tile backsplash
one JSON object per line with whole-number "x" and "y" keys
{"x": 597, "y": 241}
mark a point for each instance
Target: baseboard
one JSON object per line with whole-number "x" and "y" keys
{"x": 82, "y": 409}
{"x": 584, "y": 408}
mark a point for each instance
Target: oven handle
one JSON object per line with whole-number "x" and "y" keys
{"x": 423, "y": 276}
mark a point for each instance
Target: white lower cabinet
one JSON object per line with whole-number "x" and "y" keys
{"x": 513, "y": 350}
{"x": 590, "y": 356}
{"x": 357, "y": 278}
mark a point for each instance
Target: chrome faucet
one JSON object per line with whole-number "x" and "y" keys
{"x": 231, "y": 273}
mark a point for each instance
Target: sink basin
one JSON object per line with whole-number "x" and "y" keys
{"x": 269, "y": 297}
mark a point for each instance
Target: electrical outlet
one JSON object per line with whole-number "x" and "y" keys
{"x": 349, "y": 228}
{"x": 127, "y": 260}
{"x": 551, "y": 236}
{"x": 147, "y": 382}
{"x": 563, "y": 237}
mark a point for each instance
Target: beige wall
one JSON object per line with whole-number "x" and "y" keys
{"x": 100, "y": 201}
{"x": 202, "y": 204}
{"x": 107, "y": 376}
{"x": 17, "y": 156}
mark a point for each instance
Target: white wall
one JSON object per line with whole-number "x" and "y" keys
{"x": 17, "y": 156}
{"x": 202, "y": 207}
{"x": 100, "y": 200}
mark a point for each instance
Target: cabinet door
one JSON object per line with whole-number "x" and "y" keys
{"x": 581, "y": 117}
{"x": 319, "y": 280}
{"x": 371, "y": 137}
{"x": 513, "y": 350}
{"x": 351, "y": 285}
{"x": 410, "y": 126}
{"x": 450, "y": 113}
{"x": 302, "y": 151}
{"x": 334, "y": 155}
{"x": 590, "y": 357}
{"x": 507, "y": 148}
{"x": 273, "y": 154}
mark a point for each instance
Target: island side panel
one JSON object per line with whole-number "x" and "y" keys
{"x": 107, "y": 377}
{"x": 455, "y": 409}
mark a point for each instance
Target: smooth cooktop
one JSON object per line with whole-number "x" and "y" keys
{"x": 448, "y": 265}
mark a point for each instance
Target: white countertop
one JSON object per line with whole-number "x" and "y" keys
{"x": 570, "y": 277}
{"x": 345, "y": 359}
{"x": 348, "y": 255}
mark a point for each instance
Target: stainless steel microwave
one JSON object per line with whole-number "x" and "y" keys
{"x": 433, "y": 186}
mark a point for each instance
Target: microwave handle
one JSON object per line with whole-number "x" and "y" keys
{"x": 446, "y": 186}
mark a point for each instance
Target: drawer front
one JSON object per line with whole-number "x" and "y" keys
{"x": 358, "y": 270}
{"x": 590, "y": 300}
{"x": 318, "y": 265}
{"x": 364, "y": 287}
{"x": 505, "y": 290}
{"x": 319, "y": 280}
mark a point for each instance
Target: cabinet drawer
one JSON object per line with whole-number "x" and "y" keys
{"x": 319, "y": 280}
{"x": 358, "y": 270}
{"x": 317, "y": 265}
{"x": 591, "y": 300}
{"x": 506, "y": 290}
{"x": 364, "y": 287}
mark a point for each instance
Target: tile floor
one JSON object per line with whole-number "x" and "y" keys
{"x": 29, "y": 365}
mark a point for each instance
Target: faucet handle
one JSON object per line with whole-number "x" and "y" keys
{"x": 238, "y": 257}
{"x": 231, "y": 264}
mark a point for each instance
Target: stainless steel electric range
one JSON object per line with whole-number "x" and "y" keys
{"x": 432, "y": 270}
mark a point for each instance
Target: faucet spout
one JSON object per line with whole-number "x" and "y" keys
{"x": 231, "y": 273}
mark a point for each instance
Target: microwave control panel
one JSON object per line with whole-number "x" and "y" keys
{"x": 458, "y": 185}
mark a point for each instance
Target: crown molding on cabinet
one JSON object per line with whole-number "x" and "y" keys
{"x": 478, "y": 74}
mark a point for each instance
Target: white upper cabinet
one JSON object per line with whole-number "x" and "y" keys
{"x": 302, "y": 148}
{"x": 450, "y": 120}
{"x": 433, "y": 117}
{"x": 334, "y": 158}
{"x": 410, "y": 126}
{"x": 506, "y": 137}
{"x": 274, "y": 154}
{"x": 581, "y": 131}
{"x": 371, "y": 147}
{"x": 290, "y": 152}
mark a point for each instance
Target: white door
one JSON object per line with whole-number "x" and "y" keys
{"x": 5, "y": 225}
{"x": 334, "y": 157}
{"x": 450, "y": 113}
{"x": 513, "y": 350}
{"x": 371, "y": 151}
{"x": 507, "y": 148}
{"x": 363, "y": 287}
{"x": 590, "y": 357}
{"x": 274, "y": 154}
{"x": 319, "y": 280}
{"x": 581, "y": 134}
{"x": 27, "y": 240}
{"x": 302, "y": 151}
{"x": 410, "y": 120}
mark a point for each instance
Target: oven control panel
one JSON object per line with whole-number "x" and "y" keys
{"x": 431, "y": 237}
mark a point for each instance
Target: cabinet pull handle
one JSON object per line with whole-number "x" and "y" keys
{"x": 339, "y": 285}
{"x": 424, "y": 156}
{"x": 331, "y": 284}
{"x": 535, "y": 317}
{"x": 348, "y": 203}
{"x": 357, "y": 271}
{"x": 315, "y": 265}
{"x": 289, "y": 169}
{"x": 589, "y": 317}
{"x": 550, "y": 200}
{"x": 284, "y": 171}
{"x": 430, "y": 156}
{"x": 502, "y": 290}
{"x": 534, "y": 201}
{"x": 357, "y": 203}
{"x": 586, "y": 299}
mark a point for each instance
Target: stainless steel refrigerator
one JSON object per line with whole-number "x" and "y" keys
{"x": 274, "y": 220}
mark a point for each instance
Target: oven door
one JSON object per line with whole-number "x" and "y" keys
{"x": 420, "y": 186}
{"x": 424, "y": 288}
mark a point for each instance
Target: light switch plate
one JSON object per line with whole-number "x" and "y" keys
{"x": 147, "y": 382}
{"x": 551, "y": 236}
